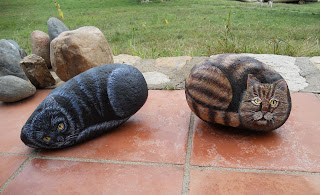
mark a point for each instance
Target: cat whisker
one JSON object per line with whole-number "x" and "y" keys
{"x": 272, "y": 121}
{"x": 71, "y": 137}
{"x": 37, "y": 132}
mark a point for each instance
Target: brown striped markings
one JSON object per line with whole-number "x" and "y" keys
{"x": 209, "y": 93}
{"x": 213, "y": 116}
{"x": 236, "y": 64}
{"x": 207, "y": 85}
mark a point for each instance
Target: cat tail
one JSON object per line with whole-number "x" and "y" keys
{"x": 210, "y": 115}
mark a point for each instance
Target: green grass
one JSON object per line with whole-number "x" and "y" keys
{"x": 195, "y": 27}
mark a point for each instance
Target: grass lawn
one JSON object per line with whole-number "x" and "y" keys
{"x": 176, "y": 27}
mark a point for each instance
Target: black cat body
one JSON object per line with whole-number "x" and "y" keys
{"x": 86, "y": 106}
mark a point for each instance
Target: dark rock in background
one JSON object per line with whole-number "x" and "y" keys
{"x": 21, "y": 51}
{"x": 55, "y": 27}
{"x": 14, "y": 43}
{"x": 9, "y": 60}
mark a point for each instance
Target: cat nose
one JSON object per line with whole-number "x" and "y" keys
{"x": 24, "y": 135}
{"x": 264, "y": 109}
{"x": 24, "y": 138}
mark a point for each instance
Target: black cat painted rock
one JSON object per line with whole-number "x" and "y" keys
{"x": 86, "y": 106}
{"x": 238, "y": 91}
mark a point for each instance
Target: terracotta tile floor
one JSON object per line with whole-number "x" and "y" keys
{"x": 164, "y": 149}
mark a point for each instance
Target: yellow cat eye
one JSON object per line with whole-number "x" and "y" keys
{"x": 47, "y": 139}
{"x": 60, "y": 126}
{"x": 274, "y": 103}
{"x": 256, "y": 101}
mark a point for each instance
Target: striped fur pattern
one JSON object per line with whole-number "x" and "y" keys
{"x": 238, "y": 91}
{"x": 86, "y": 106}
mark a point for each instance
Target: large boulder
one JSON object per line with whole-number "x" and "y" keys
{"x": 55, "y": 27}
{"x": 74, "y": 52}
{"x": 9, "y": 60}
{"x": 14, "y": 43}
{"x": 21, "y": 51}
{"x": 13, "y": 88}
{"x": 37, "y": 71}
{"x": 40, "y": 45}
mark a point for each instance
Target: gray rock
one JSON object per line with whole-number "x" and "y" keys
{"x": 310, "y": 72}
{"x": 9, "y": 60}
{"x": 37, "y": 71}
{"x": 55, "y": 27}
{"x": 21, "y": 51}
{"x": 155, "y": 78}
{"x": 176, "y": 63}
{"x": 126, "y": 59}
{"x": 13, "y": 89}
{"x": 315, "y": 61}
{"x": 14, "y": 43}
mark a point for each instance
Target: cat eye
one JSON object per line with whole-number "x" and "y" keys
{"x": 274, "y": 103}
{"x": 47, "y": 139}
{"x": 60, "y": 126}
{"x": 256, "y": 101}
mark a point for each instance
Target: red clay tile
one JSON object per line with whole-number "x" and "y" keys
{"x": 294, "y": 146}
{"x": 229, "y": 182}
{"x": 67, "y": 177}
{"x": 8, "y": 165}
{"x": 12, "y": 118}
{"x": 156, "y": 133}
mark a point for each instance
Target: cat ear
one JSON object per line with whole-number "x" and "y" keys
{"x": 281, "y": 85}
{"x": 49, "y": 101}
{"x": 252, "y": 81}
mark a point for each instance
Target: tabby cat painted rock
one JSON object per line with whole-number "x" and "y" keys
{"x": 86, "y": 106}
{"x": 238, "y": 91}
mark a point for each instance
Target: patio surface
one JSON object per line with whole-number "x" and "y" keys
{"x": 165, "y": 149}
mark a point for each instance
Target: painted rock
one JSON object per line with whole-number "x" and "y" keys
{"x": 86, "y": 106}
{"x": 238, "y": 91}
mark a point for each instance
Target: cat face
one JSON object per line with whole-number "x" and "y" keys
{"x": 264, "y": 106}
{"x": 49, "y": 127}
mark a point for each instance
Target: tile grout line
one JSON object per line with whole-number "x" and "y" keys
{"x": 18, "y": 171}
{"x": 187, "y": 166}
{"x": 247, "y": 170}
{"x": 105, "y": 161}
{"x": 14, "y": 154}
{"x": 34, "y": 155}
